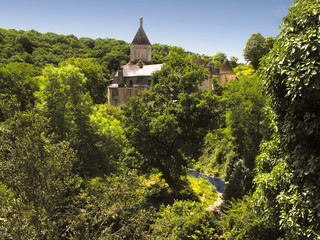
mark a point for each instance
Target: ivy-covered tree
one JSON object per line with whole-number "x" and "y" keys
{"x": 289, "y": 166}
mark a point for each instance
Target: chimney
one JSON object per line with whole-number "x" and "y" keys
{"x": 141, "y": 22}
{"x": 120, "y": 77}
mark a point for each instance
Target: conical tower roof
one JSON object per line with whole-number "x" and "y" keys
{"x": 141, "y": 37}
{"x": 226, "y": 67}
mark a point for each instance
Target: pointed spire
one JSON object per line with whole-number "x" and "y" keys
{"x": 141, "y": 37}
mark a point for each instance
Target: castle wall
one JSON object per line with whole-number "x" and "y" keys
{"x": 206, "y": 84}
{"x": 120, "y": 96}
{"x": 226, "y": 78}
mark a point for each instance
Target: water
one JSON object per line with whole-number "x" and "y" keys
{"x": 216, "y": 181}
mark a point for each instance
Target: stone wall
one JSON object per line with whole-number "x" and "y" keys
{"x": 140, "y": 52}
{"x": 120, "y": 96}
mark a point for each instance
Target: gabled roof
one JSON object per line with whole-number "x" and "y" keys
{"x": 141, "y": 37}
{"x": 226, "y": 68}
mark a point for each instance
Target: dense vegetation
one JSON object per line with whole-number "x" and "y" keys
{"x": 72, "y": 167}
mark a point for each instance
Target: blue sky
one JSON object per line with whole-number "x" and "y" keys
{"x": 202, "y": 26}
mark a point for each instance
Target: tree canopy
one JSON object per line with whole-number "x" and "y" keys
{"x": 256, "y": 47}
{"x": 169, "y": 133}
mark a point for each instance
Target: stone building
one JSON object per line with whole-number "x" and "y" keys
{"x": 224, "y": 74}
{"x": 131, "y": 79}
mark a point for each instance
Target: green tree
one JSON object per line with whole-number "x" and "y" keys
{"x": 244, "y": 70}
{"x": 112, "y": 139}
{"x": 38, "y": 174}
{"x": 291, "y": 75}
{"x": 234, "y": 61}
{"x": 25, "y": 42}
{"x": 95, "y": 82}
{"x": 246, "y": 117}
{"x": 160, "y": 52}
{"x": 112, "y": 208}
{"x": 248, "y": 124}
{"x": 169, "y": 133}
{"x": 63, "y": 99}
{"x": 219, "y": 57}
{"x": 17, "y": 80}
{"x": 255, "y": 49}
{"x": 242, "y": 221}
{"x": 231, "y": 150}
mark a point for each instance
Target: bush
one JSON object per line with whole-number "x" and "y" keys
{"x": 186, "y": 220}
{"x": 241, "y": 221}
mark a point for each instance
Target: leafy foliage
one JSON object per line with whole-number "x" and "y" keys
{"x": 95, "y": 83}
{"x": 112, "y": 139}
{"x": 17, "y": 80}
{"x": 204, "y": 189}
{"x": 291, "y": 75}
{"x": 168, "y": 134}
{"x": 245, "y": 117}
{"x": 62, "y": 99}
{"x": 231, "y": 149}
{"x": 42, "y": 49}
{"x": 175, "y": 222}
{"x": 219, "y": 57}
{"x": 38, "y": 174}
{"x": 241, "y": 221}
{"x": 112, "y": 208}
{"x": 256, "y": 47}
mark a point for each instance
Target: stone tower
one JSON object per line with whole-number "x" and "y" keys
{"x": 140, "y": 48}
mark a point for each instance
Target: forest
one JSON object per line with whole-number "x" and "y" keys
{"x": 72, "y": 167}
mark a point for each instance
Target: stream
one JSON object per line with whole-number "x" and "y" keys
{"x": 218, "y": 182}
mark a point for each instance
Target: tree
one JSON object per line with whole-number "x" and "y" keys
{"x": 219, "y": 57}
{"x": 169, "y": 133}
{"x": 160, "y": 52}
{"x": 234, "y": 61}
{"x": 291, "y": 75}
{"x": 112, "y": 139}
{"x": 38, "y": 175}
{"x": 17, "y": 80}
{"x": 26, "y": 43}
{"x": 64, "y": 101}
{"x": 246, "y": 117}
{"x": 112, "y": 208}
{"x": 233, "y": 147}
{"x": 95, "y": 83}
{"x": 255, "y": 49}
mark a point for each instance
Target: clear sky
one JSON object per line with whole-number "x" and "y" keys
{"x": 200, "y": 26}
